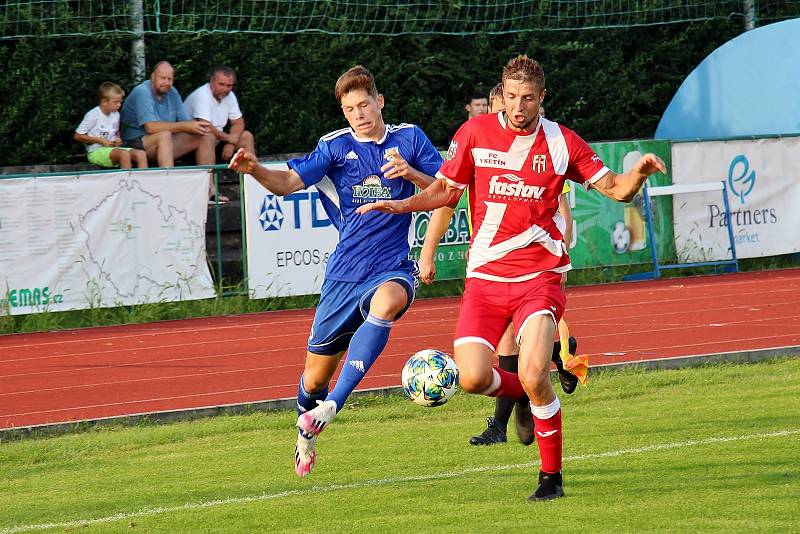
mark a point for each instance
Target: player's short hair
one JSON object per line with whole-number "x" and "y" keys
{"x": 108, "y": 90}
{"x": 224, "y": 70}
{"x": 358, "y": 77}
{"x": 524, "y": 69}
{"x": 474, "y": 96}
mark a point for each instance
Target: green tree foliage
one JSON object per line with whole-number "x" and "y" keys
{"x": 605, "y": 84}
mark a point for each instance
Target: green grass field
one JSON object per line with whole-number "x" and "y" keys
{"x": 704, "y": 449}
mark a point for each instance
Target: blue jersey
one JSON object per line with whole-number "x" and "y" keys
{"x": 347, "y": 172}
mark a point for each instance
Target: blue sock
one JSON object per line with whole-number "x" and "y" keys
{"x": 367, "y": 344}
{"x": 306, "y": 400}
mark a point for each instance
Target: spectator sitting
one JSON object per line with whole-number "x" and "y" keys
{"x": 153, "y": 119}
{"x": 99, "y": 129}
{"x": 216, "y": 103}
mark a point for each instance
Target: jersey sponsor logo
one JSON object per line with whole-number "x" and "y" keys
{"x": 515, "y": 189}
{"x": 351, "y": 155}
{"x": 371, "y": 187}
{"x": 539, "y": 163}
{"x": 451, "y": 150}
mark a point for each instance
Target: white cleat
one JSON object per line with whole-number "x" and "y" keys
{"x": 305, "y": 454}
{"x": 314, "y": 421}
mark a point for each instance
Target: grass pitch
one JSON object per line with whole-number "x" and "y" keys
{"x": 704, "y": 449}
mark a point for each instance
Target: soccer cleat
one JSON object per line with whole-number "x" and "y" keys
{"x": 493, "y": 434}
{"x": 551, "y": 486}
{"x": 305, "y": 454}
{"x": 568, "y": 381}
{"x": 314, "y": 421}
{"x": 523, "y": 418}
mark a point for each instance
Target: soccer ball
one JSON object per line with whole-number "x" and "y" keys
{"x": 430, "y": 378}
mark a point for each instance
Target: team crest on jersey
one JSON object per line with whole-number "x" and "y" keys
{"x": 451, "y": 150}
{"x": 390, "y": 153}
{"x": 372, "y": 188}
{"x": 539, "y": 163}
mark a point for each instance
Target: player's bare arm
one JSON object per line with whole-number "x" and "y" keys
{"x": 398, "y": 167}
{"x": 437, "y": 226}
{"x": 623, "y": 187}
{"x": 279, "y": 182}
{"x": 439, "y": 193}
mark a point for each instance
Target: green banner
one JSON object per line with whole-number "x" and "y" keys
{"x": 604, "y": 232}
{"x": 451, "y": 255}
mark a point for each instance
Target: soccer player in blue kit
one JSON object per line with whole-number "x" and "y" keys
{"x": 369, "y": 280}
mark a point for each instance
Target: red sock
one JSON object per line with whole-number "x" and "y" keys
{"x": 548, "y": 437}
{"x": 510, "y": 386}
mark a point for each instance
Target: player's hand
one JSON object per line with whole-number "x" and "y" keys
{"x": 117, "y": 142}
{"x": 386, "y": 206}
{"x": 650, "y": 164}
{"x": 243, "y": 162}
{"x": 106, "y": 142}
{"x": 427, "y": 269}
{"x": 227, "y": 151}
{"x": 397, "y": 167}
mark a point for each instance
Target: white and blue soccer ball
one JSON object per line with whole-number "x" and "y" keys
{"x": 430, "y": 378}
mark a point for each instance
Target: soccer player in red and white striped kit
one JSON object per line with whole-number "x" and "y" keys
{"x": 515, "y": 164}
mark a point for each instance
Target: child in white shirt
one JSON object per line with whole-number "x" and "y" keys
{"x": 99, "y": 129}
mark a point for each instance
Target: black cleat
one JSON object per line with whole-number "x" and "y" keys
{"x": 550, "y": 487}
{"x": 492, "y": 435}
{"x": 568, "y": 381}
{"x": 523, "y": 418}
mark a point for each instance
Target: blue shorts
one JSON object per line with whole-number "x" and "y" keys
{"x": 344, "y": 306}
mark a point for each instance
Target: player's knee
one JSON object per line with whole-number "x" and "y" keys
{"x": 313, "y": 383}
{"x": 473, "y": 382}
{"x": 536, "y": 381}
{"x": 124, "y": 157}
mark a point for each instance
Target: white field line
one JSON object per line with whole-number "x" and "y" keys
{"x": 122, "y": 516}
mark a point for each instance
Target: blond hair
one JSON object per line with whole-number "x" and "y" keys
{"x": 524, "y": 69}
{"x": 358, "y": 77}
{"x": 496, "y": 95}
{"x": 109, "y": 90}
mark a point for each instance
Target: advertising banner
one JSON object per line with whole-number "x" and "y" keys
{"x": 289, "y": 240}
{"x": 763, "y": 181}
{"x": 451, "y": 254}
{"x": 606, "y": 232}
{"x": 102, "y": 240}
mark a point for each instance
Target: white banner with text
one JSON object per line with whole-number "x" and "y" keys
{"x": 102, "y": 240}
{"x": 289, "y": 240}
{"x": 763, "y": 181}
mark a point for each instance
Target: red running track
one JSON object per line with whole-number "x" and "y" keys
{"x": 88, "y": 374}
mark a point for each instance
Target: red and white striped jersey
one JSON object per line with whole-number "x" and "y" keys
{"x": 514, "y": 182}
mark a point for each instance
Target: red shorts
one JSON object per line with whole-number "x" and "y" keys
{"x": 487, "y": 306}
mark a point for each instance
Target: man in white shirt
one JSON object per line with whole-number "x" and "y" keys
{"x": 215, "y": 102}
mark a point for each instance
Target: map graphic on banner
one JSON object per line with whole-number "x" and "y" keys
{"x": 763, "y": 185}
{"x": 102, "y": 240}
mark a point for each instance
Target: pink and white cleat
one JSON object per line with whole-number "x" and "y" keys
{"x": 314, "y": 421}
{"x": 305, "y": 454}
